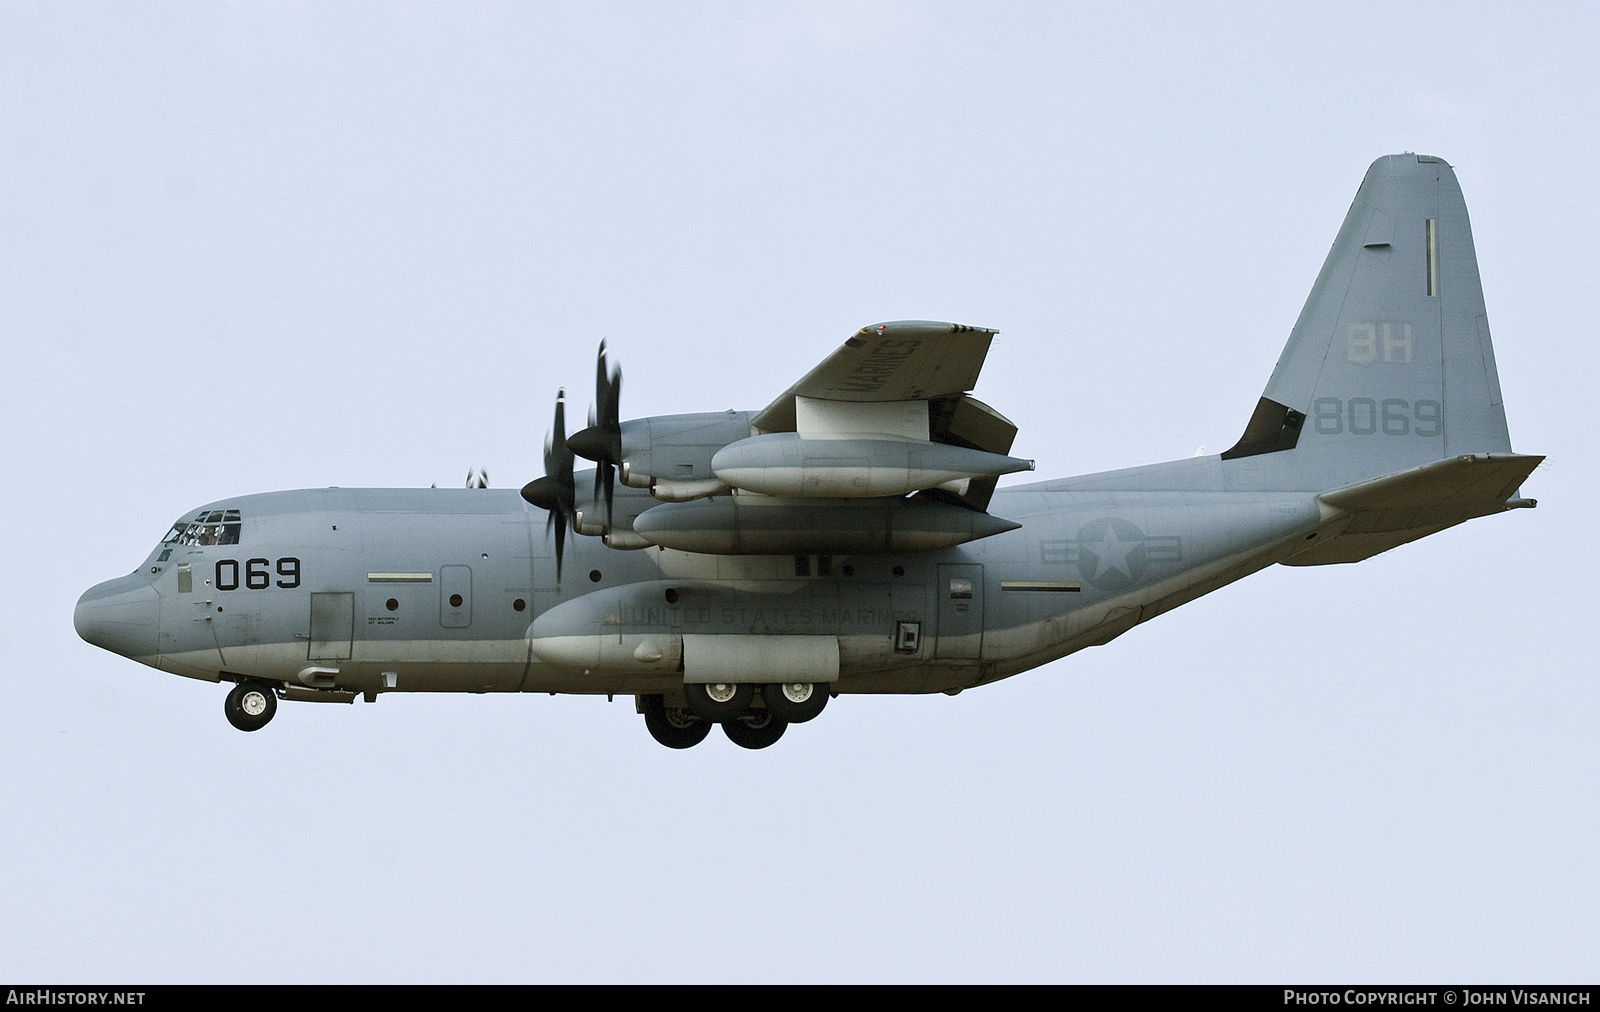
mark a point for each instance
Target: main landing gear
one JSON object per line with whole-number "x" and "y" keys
{"x": 250, "y": 705}
{"x": 672, "y": 726}
{"x": 734, "y": 706}
{"x": 795, "y": 702}
{"x": 719, "y": 701}
{"x": 756, "y": 729}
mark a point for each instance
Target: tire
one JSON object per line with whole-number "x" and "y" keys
{"x": 719, "y": 701}
{"x": 757, "y": 730}
{"x": 781, "y": 700}
{"x": 673, "y": 726}
{"x": 250, "y": 705}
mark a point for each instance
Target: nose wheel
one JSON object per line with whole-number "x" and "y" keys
{"x": 250, "y": 705}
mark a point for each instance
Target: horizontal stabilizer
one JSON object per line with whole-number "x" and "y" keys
{"x": 1393, "y": 510}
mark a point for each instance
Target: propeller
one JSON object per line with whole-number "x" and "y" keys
{"x": 601, "y": 442}
{"x": 556, "y": 492}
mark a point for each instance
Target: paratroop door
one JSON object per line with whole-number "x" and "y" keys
{"x": 960, "y": 590}
{"x": 333, "y": 619}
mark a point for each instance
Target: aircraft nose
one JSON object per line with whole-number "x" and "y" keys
{"x": 121, "y": 616}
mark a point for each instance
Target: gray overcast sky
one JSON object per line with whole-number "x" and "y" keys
{"x": 256, "y": 246}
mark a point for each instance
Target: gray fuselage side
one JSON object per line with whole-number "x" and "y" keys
{"x": 1090, "y": 561}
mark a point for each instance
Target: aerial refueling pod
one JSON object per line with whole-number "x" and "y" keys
{"x": 786, "y": 464}
{"x": 758, "y": 525}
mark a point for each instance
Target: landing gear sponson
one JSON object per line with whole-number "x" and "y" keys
{"x": 748, "y": 719}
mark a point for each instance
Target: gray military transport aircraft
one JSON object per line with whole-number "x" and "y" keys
{"x": 850, "y": 536}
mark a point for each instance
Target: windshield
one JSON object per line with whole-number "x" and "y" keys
{"x": 209, "y": 527}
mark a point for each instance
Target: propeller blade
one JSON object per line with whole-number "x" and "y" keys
{"x": 556, "y": 492}
{"x": 561, "y": 542}
{"x": 601, "y": 442}
{"x": 597, "y": 415}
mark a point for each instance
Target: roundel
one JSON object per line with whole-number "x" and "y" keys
{"x": 1112, "y": 553}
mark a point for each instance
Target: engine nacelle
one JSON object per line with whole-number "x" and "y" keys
{"x": 676, "y": 450}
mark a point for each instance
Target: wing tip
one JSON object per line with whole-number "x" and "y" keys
{"x": 915, "y": 328}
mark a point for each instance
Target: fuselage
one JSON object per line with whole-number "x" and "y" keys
{"x": 376, "y": 590}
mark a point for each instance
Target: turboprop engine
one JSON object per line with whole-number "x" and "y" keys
{"x": 826, "y": 468}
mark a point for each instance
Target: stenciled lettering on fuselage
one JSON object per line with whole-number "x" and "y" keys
{"x": 1367, "y": 416}
{"x": 1111, "y": 553}
{"x": 257, "y": 575}
{"x": 1379, "y": 342}
{"x": 796, "y": 616}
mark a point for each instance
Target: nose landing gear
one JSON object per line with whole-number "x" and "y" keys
{"x": 250, "y": 705}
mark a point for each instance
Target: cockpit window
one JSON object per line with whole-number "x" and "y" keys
{"x": 209, "y": 527}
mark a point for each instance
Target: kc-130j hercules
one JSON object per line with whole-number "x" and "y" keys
{"x": 850, "y": 536}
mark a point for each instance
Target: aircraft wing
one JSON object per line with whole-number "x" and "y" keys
{"x": 908, "y": 379}
{"x": 912, "y": 360}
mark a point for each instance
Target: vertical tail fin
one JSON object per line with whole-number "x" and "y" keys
{"x": 1389, "y": 365}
